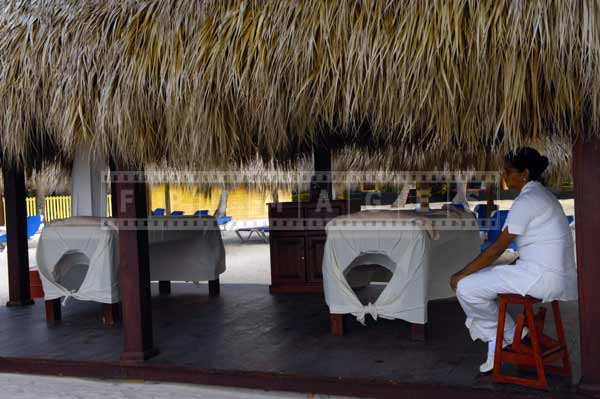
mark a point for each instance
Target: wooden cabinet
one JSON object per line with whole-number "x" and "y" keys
{"x": 315, "y": 249}
{"x": 290, "y": 253}
{"x": 297, "y": 240}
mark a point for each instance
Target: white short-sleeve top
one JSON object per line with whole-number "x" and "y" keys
{"x": 544, "y": 240}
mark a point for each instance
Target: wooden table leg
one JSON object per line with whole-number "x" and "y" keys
{"x": 214, "y": 287}
{"x": 53, "y": 311}
{"x": 111, "y": 313}
{"x": 337, "y": 324}
{"x": 418, "y": 332}
{"x": 164, "y": 287}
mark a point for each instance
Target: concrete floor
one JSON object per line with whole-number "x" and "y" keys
{"x": 247, "y": 263}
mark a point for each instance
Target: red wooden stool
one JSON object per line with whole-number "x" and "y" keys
{"x": 543, "y": 350}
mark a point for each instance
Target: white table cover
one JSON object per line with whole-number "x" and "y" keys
{"x": 421, "y": 259}
{"x": 67, "y": 242}
{"x": 195, "y": 254}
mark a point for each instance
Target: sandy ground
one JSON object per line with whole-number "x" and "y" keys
{"x": 246, "y": 263}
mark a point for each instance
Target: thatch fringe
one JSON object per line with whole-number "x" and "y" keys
{"x": 212, "y": 83}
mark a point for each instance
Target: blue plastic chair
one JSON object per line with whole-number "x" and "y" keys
{"x": 33, "y": 225}
{"x": 203, "y": 212}
{"x": 570, "y": 218}
{"x": 481, "y": 212}
{"x": 494, "y": 232}
{"x": 158, "y": 212}
{"x": 177, "y": 213}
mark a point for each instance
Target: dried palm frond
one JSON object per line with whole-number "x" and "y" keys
{"x": 205, "y": 85}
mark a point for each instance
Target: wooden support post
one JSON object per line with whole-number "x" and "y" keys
{"x": 53, "y": 311}
{"x": 16, "y": 230}
{"x": 129, "y": 192}
{"x": 337, "y": 324}
{"x": 167, "y": 199}
{"x": 164, "y": 287}
{"x": 2, "y": 221}
{"x": 149, "y": 199}
{"x": 111, "y": 313}
{"x": 586, "y": 173}
{"x": 214, "y": 287}
{"x": 321, "y": 185}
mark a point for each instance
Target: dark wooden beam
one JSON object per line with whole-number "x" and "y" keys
{"x": 134, "y": 270}
{"x": 586, "y": 173}
{"x": 16, "y": 230}
{"x": 321, "y": 184}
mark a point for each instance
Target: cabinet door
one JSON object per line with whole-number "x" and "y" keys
{"x": 314, "y": 254}
{"x": 287, "y": 260}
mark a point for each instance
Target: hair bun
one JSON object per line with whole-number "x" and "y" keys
{"x": 528, "y": 158}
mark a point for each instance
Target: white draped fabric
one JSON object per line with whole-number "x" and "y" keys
{"x": 76, "y": 248}
{"x": 421, "y": 259}
{"x": 79, "y": 257}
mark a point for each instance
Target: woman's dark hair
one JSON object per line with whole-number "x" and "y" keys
{"x": 528, "y": 158}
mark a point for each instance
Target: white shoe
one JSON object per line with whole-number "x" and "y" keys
{"x": 488, "y": 365}
{"x": 508, "y": 340}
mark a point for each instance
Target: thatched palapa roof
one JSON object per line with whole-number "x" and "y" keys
{"x": 214, "y": 83}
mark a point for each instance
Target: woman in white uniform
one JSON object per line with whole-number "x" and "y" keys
{"x": 546, "y": 265}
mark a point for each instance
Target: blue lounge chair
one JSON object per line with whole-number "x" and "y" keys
{"x": 158, "y": 212}
{"x": 33, "y": 225}
{"x": 202, "y": 212}
{"x": 222, "y": 220}
{"x": 260, "y": 231}
{"x": 177, "y": 213}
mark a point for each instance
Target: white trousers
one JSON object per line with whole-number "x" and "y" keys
{"x": 478, "y": 294}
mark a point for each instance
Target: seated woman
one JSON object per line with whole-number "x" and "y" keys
{"x": 546, "y": 265}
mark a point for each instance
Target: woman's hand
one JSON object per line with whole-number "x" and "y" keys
{"x": 456, "y": 277}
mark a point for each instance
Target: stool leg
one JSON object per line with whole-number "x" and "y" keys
{"x": 535, "y": 344}
{"x": 560, "y": 332}
{"x": 499, "y": 339}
